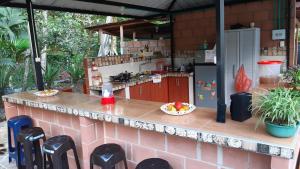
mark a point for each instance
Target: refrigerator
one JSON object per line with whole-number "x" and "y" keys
{"x": 205, "y": 85}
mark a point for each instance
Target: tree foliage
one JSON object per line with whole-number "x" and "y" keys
{"x": 65, "y": 35}
{"x": 62, "y": 36}
{"x": 12, "y": 23}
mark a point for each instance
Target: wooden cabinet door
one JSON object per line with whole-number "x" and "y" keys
{"x": 178, "y": 89}
{"x": 135, "y": 92}
{"x": 183, "y": 89}
{"x": 159, "y": 91}
{"x": 173, "y": 93}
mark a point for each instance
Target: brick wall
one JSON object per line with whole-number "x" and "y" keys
{"x": 192, "y": 29}
{"x": 140, "y": 144}
{"x": 132, "y": 47}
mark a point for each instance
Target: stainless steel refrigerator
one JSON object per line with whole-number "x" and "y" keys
{"x": 205, "y": 85}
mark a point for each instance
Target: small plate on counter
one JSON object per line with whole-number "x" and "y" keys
{"x": 46, "y": 93}
{"x": 177, "y": 108}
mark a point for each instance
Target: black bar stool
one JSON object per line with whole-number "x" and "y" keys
{"x": 30, "y": 139}
{"x": 154, "y": 163}
{"x": 107, "y": 156}
{"x": 57, "y": 148}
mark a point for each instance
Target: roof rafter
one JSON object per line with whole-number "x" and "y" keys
{"x": 212, "y": 6}
{"x": 4, "y": 1}
{"x": 171, "y": 5}
{"x": 73, "y": 10}
{"x": 126, "y": 5}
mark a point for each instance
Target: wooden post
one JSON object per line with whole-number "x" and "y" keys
{"x": 133, "y": 36}
{"x": 291, "y": 38}
{"x": 121, "y": 39}
{"x": 100, "y": 33}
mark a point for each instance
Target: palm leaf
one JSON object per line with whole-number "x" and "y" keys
{"x": 51, "y": 74}
{"x": 7, "y": 62}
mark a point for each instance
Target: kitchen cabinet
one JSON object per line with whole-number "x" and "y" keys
{"x": 170, "y": 89}
{"x": 141, "y": 91}
{"x": 159, "y": 91}
{"x": 178, "y": 89}
{"x": 242, "y": 47}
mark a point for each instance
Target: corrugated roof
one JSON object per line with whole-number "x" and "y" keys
{"x": 126, "y": 8}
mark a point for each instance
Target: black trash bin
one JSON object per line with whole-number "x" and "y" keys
{"x": 240, "y": 106}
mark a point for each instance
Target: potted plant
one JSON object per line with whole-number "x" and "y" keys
{"x": 292, "y": 76}
{"x": 76, "y": 72}
{"x": 279, "y": 110}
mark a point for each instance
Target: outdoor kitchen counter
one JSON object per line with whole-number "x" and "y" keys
{"x": 200, "y": 125}
{"x": 146, "y": 78}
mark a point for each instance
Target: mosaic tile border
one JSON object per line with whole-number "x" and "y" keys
{"x": 201, "y": 136}
{"x": 123, "y": 86}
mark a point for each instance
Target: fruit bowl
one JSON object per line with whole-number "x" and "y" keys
{"x": 46, "y": 93}
{"x": 177, "y": 108}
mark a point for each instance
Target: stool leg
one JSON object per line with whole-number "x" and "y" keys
{"x": 28, "y": 155}
{"x": 9, "y": 143}
{"x": 91, "y": 164}
{"x": 50, "y": 161}
{"x": 45, "y": 156}
{"x": 18, "y": 154}
{"x": 18, "y": 148}
{"x": 125, "y": 164}
{"x": 38, "y": 155}
{"x": 45, "y": 161}
{"x": 57, "y": 162}
{"x": 76, "y": 156}
{"x": 64, "y": 161}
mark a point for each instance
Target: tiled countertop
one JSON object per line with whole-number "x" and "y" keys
{"x": 119, "y": 86}
{"x": 200, "y": 125}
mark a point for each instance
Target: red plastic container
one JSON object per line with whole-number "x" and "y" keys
{"x": 269, "y": 71}
{"x": 108, "y": 100}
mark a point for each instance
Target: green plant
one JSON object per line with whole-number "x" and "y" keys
{"x": 292, "y": 75}
{"x": 12, "y": 23}
{"x": 17, "y": 76}
{"x": 75, "y": 69}
{"x": 51, "y": 74}
{"x": 6, "y": 72}
{"x": 279, "y": 106}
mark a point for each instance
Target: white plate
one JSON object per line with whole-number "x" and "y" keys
{"x": 46, "y": 94}
{"x": 177, "y": 113}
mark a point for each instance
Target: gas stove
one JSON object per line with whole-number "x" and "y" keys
{"x": 122, "y": 77}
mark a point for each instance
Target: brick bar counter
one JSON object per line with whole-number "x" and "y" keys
{"x": 193, "y": 141}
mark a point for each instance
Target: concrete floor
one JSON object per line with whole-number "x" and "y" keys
{"x": 3, "y": 149}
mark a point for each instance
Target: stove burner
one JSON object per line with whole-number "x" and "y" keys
{"x": 122, "y": 77}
